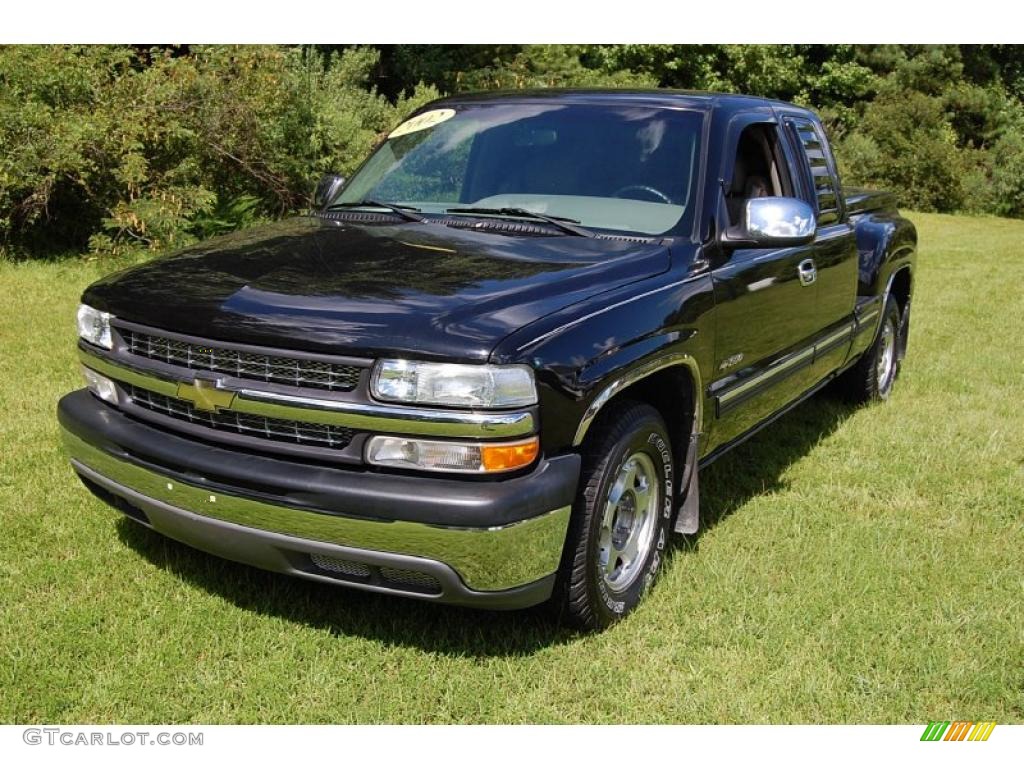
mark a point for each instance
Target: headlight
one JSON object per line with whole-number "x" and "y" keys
{"x": 444, "y": 456}
{"x": 473, "y": 386}
{"x": 94, "y": 326}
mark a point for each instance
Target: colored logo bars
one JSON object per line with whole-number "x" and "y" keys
{"x": 958, "y": 730}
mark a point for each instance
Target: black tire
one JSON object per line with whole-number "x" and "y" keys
{"x": 870, "y": 380}
{"x": 591, "y": 593}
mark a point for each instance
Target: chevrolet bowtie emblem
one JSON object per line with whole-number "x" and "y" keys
{"x": 205, "y": 395}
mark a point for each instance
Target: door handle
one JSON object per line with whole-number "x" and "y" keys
{"x": 807, "y": 271}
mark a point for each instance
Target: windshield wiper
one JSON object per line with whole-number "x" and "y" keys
{"x": 561, "y": 222}
{"x": 407, "y": 212}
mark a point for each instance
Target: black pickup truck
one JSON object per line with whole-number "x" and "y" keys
{"x": 487, "y": 368}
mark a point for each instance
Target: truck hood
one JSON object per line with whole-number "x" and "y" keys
{"x": 370, "y": 289}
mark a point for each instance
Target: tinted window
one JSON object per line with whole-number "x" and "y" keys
{"x": 613, "y": 167}
{"x": 822, "y": 169}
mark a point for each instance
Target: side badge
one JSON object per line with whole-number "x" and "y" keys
{"x": 730, "y": 361}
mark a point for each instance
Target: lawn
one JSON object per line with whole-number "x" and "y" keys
{"x": 856, "y": 565}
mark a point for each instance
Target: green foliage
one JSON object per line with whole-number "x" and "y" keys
{"x": 943, "y": 131}
{"x": 127, "y": 149}
{"x": 549, "y": 66}
{"x": 906, "y": 144}
{"x": 124, "y": 149}
{"x": 772, "y": 70}
{"x": 1008, "y": 175}
{"x": 452, "y": 68}
{"x": 227, "y": 216}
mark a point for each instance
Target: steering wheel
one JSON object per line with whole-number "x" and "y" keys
{"x": 662, "y": 197}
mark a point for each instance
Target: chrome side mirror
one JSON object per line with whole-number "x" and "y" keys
{"x": 779, "y": 219}
{"x": 327, "y": 188}
{"x": 773, "y": 222}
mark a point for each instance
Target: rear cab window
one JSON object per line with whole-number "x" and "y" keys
{"x": 818, "y": 168}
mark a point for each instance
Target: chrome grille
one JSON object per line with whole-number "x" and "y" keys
{"x": 281, "y": 430}
{"x": 245, "y": 365}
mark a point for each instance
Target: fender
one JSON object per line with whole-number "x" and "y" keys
{"x": 902, "y": 264}
{"x": 688, "y": 493}
{"x": 592, "y": 346}
{"x": 887, "y": 245}
{"x": 884, "y": 241}
{"x": 638, "y": 373}
{"x": 652, "y": 328}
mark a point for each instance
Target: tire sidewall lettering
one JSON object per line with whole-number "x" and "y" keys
{"x": 665, "y": 453}
{"x": 616, "y": 603}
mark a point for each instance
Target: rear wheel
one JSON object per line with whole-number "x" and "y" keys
{"x": 873, "y": 376}
{"x": 620, "y": 520}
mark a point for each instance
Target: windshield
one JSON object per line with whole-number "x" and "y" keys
{"x": 621, "y": 168}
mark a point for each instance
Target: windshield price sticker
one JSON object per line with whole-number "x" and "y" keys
{"x": 422, "y": 122}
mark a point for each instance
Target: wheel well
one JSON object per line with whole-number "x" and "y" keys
{"x": 669, "y": 391}
{"x": 901, "y": 287}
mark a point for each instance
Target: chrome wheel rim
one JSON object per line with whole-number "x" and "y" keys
{"x": 887, "y": 355}
{"x": 629, "y": 522}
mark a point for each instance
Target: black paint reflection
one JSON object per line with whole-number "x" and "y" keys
{"x": 369, "y": 288}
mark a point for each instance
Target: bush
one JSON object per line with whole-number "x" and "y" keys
{"x": 126, "y": 149}
{"x": 1008, "y": 175}
{"x": 905, "y": 143}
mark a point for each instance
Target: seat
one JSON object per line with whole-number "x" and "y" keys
{"x": 747, "y": 182}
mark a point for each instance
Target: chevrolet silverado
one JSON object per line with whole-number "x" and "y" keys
{"x": 488, "y": 368}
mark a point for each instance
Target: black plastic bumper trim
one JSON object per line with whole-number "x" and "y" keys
{"x": 375, "y": 495}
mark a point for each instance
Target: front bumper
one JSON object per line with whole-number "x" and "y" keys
{"x": 494, "y": 543}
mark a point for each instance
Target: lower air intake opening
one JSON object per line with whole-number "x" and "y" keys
{"x": 404, "y": 579}
{"x": 335, "y": 566}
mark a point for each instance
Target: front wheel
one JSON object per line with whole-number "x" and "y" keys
{"x": 621, "y": 518}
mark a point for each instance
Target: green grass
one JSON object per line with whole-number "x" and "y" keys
{"x": 858, "y": 565}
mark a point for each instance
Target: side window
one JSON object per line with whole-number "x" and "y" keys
{"x": 824, "y": 186}
{"x": 759, "y": 169}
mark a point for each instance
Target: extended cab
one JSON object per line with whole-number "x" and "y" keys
{"x": 487, "y": 368}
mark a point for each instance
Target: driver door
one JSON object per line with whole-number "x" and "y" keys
{"x": 765, "y": 298}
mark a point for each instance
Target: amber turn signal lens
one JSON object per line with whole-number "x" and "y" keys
{"x": 449, "y": 456}
{"x": 501, "y": 458}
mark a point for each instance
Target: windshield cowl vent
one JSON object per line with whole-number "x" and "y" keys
{"x": 359, "y": 217}
{"x": 499, "y": 226}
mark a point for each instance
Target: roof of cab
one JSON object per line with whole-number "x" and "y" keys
{"x": 662, "y": 97}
